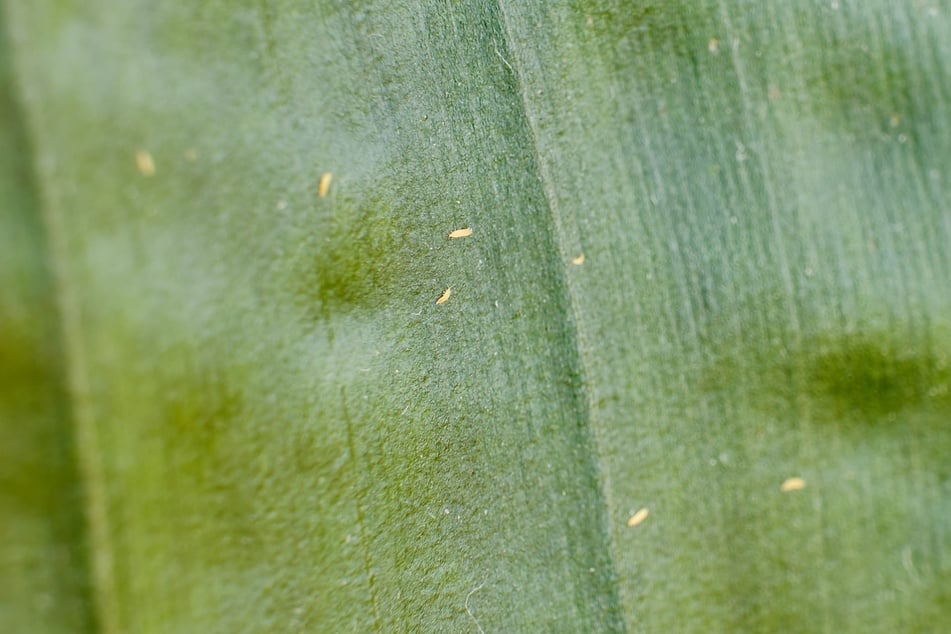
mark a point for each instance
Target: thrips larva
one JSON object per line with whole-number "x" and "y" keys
{"x": 461, "y": 233}
{"x": 143, "y": 161}
{"x": 792, "y": 484}
{"x": 445, "y": 296}
{"x": 638, "y": 518}
{"x": 324, "y": 185}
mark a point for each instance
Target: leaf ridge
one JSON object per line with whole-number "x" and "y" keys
{"x": 583, "y": 348}
{"x": 105, "y": 603}
{"x": 99, "y": 593}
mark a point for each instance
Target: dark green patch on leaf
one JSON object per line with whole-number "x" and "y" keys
{"x": 870, "y": 379}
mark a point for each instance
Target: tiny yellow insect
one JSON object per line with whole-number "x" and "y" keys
{"x": 324, "y": 185}
{"x": 792, "y": 484}
{"x": 461, "y": 233}
{"x": 578, "y": 261}
{"x": 638, "y": 518}
{"x": 143, "y": 161}
{"x": 445, "y": 296}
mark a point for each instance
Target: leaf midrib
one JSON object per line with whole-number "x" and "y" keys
{"x": 576, "y": 321}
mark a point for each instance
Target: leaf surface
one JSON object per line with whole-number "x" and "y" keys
{"x": 43, "y": 570}
{"x": 279, "y": 427}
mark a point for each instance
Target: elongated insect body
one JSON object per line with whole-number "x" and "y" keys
{"x": 144, "y": 162}
{"x": 323, "y": 186}
{"x": 461, "y": 233}
{"x": 638, "y": 518}
{"x": 792, "y": 484}
{"x": 445, "y": 296}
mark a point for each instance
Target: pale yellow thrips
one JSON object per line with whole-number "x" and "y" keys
{"x": 324, "y": 185}
{"x": 461, "y": 233}
{"x": 792, "y": 484}
{"x": 143, "y": 161}
{"x": 445, "y": 296}
{"x": 578, "y": 261}
{"x": 638, "y": 518}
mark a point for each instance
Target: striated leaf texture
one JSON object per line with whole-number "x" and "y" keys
{"x": 44, "y": 578}
{"x": 279, "y": 429}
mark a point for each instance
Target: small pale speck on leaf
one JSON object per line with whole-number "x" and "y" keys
{"x": 637, "y": 518}
{"x": 445, "y": 296}
{"x": 792, "y": 484}
{"x": 191, "y": 154}
{"x": 894, "y": 120}
{"x": 461, "y": 233}
{"x": 143, "y": 161}
{"x": 579, "y": 260}
{"x": 713, "y": 45}
{"x": 324, "y": 185}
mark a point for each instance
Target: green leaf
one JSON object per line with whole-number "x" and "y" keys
{"x": 43, "y": 571}
{"x": 280, "y": 429}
